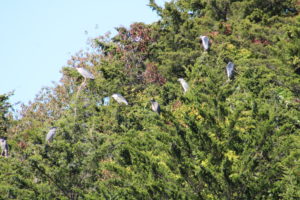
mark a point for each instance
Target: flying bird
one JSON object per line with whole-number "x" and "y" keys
{"x": 155, "y": 106}
{"x": 4, "y": 147}
{"x": 205, "y": 42}
{"x": 230, "y": 70}
{"x": 50, "y": 135}
{"x": 184, "y": 84}
{"x": 119, "y": 98}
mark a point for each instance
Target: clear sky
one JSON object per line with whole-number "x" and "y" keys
{"x": 37, "y": 37}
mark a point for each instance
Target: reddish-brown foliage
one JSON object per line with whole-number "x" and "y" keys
{"x": 134, "y": 44}
{"x": 228, "y": 29}
{"x": 22, "y": 145}
{"x": 176, "y": 105}
{"x": 151, "y": 75}
{"x": 213, "y": 33}
{"x": 260, "y": 41}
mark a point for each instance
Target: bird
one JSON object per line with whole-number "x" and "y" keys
{"x": 184, "y": 84}
{"x": 85, "y": 73}
{"x": 155, "y": 106}
{"x": 50, "y": 135}
{"x": 205, "y": 42}
{"x": 4, "y": 147}
{"x": 119, "y": 98}
{"x": 106, "y": 101}
{"x": 230, "y": 70}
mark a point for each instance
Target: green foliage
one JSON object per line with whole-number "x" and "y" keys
{"x": 222, "y": 139}
{"x": 4, "y": 111}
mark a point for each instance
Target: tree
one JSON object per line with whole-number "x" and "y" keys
{"x": 222, "y": 139}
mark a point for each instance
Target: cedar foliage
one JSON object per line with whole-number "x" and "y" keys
{"x": 236, "y": 139}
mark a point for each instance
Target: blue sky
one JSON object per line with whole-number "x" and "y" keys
{"x": 37, "y": 37}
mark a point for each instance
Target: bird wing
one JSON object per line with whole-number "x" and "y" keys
{"x": 50, "y": 134}
{"x": 154, "y": 106}
{"x": 85, "y": 73}
{"x": 120, "y": 99}
{"x": 124, "y": 101}
{"x": 157, "y": 107}
{"x": 229, "y": 69}
{"x": 185, "y": 85}
{"x": 3, "y": 144}
{"x": 205, "y": 42}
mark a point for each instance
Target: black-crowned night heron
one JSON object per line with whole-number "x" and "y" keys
{"x": 184, "y": 84}
{"x": 4, "y": 147}
{"x": 119, "y": 98}
{"x": 155, "y": 106}
{"x": 85, "y": 73}
{"x": 50, "y": 135}
{"x": 205, "y": 42}
{"x": 230, "y": 70}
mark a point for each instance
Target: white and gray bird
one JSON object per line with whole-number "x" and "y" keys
{"x": 4, "y": 147}
{"x": 184, "y": 84}
{"x": 119, "y": 98}
{"x": 50, "y": 135}
{"x": 230, "y": 70}
{"x": 205, "y": 42}
{"x": 155, "y": 106}
{"x": 85, "y": 73}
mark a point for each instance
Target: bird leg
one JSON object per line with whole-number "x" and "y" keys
{"x": 79, "y": 89}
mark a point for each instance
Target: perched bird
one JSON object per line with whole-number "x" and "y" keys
{"x": 85, "y": 73}
{"x": 155, "y": 106}
{"x": 119, "y": 98}
{"x": 205, "y": 42}
{"x": 50, "y": 135}
{"x": 184, "y": 84}
{"x": 4, "y": 147}
{"x": 106, "y": 101}
{"x": 230, "y": 70}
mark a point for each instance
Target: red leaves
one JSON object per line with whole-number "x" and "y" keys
{"x": 22, "y": 145}
{"x": 137, "y": 38}
{"x": 151, "y": 75}
{"x": 260, "y": 41}
{"x": 176, "y": 105}
{"x": 213, "y": 33}
{"x": 81, "y": 59}
{"x": 133, "y": 49}
{"x": 228, "y": 29}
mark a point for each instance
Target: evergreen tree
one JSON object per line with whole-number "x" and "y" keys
{"x": 234, "y": 138}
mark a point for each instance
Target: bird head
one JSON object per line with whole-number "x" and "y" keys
{"x": 2, "y": 140}
{"x": 180, "y": 79}
{"x": 53, "y": 127}
{"x": 226, "y": 60}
